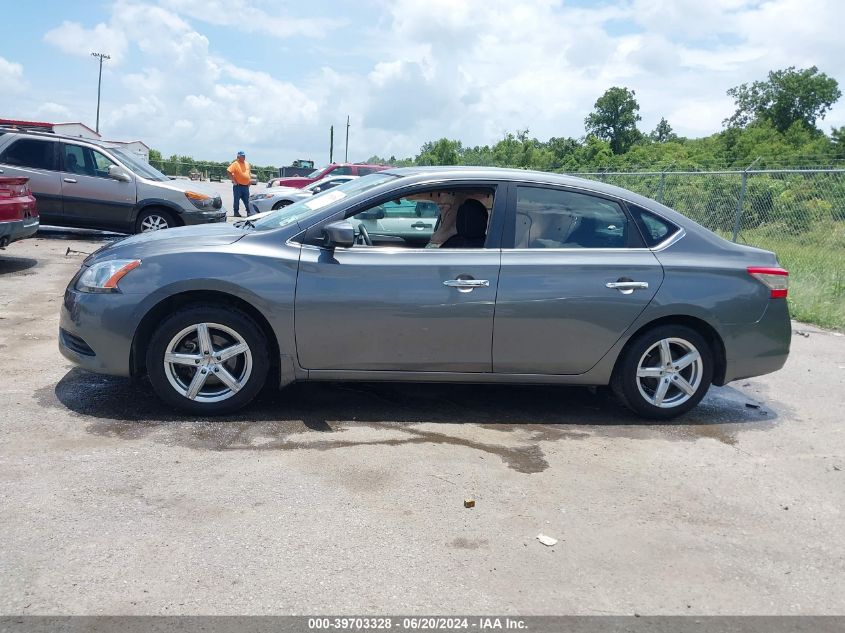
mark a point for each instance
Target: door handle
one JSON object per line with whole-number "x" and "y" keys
{"x": 420, "y": 225}
{"x": 71, "y": 180}
{"x": 466, "y": 285}
{"x": 627, "y": 287}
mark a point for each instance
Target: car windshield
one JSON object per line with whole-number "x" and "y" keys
{"x": 300, "y": 210}
{"x": 139, "y": 167}
{"x": 316, "y": 172}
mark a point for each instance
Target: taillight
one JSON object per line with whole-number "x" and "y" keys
{"x": 776, "y": 279}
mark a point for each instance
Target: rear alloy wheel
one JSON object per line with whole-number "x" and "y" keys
{"x": 153, "y": 220}
{"x": 208, "y": 360}
{"x": 665, "y": 372}
{"x": 280, "y": 204}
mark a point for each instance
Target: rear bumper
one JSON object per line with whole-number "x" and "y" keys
{"x": 14, "y": 230}
{"x": 758, "y": 348}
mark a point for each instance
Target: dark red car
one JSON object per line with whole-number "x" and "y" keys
{"x": 335, "y": 169}
{"x": 18, "y": 213}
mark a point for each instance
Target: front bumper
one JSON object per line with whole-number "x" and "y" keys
{"x": 203, "y": 217}
{"x": 14, "y": 230}
{"x": 95, "y": 330}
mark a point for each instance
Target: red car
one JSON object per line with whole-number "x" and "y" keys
{"x": 18, "y": 214}
{"x": 335, "y": 169}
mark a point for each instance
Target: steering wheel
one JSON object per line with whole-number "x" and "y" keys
{"x": 362, "y": 231}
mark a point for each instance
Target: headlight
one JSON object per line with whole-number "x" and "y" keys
{"x": 260, "y": 196}
{"x": 199, "y": 200}
{"x": 103, "y": 277}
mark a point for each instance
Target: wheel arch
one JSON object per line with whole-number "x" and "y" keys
{"x": 173, "y": 210}
{"x": 710, "y": 334}
{"x": 146, "y": 327}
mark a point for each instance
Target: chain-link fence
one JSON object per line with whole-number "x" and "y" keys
{"x": 798, "y": 214}
{"x": 206, "y": 170}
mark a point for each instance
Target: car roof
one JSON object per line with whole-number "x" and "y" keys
{"x": 420, "y": 174}
{"x": 51, "y": 136}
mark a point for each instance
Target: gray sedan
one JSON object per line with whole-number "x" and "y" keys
{"x": 522, "y": 277}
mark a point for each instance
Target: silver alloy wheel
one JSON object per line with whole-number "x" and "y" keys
{"x": 208, "y": 362}
{"x": 154, "y": 222}
{"x": 669, "y": 372}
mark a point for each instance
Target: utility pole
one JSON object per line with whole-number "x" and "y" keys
{"x": 101, "y": 57}
{"x": 346, "y": 151}
{"x": 331, "y": 145}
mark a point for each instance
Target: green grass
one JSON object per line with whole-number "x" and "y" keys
{"x": 815, "y": 260}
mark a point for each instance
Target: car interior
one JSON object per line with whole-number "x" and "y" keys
{"x": 442, "y": 218}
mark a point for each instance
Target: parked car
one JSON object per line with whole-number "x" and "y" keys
{"x": 81, "y": 183}
{"x": 334, "y": 169}
{"x": 529, "y": 278}
{"x": 278, "y": 197}
{"x": 18, "y": 212}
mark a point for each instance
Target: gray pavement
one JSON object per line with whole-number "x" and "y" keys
{"x": 348, "y": 498}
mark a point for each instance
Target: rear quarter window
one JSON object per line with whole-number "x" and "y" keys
{"x": 654, "y": 229}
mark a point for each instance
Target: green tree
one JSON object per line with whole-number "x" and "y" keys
{"x": 785, "y": 97}
{"x": 663, "y": 132}
{"x": 442, "y": 152}
{"x": 615, "y": 119}
{"x": 837, "y": 135}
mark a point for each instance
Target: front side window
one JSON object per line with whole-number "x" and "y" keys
{"x": 345, "y": 170}
{"x": 553, "y": 218}
{"x": 443, "y": 218}
{"x": 32, "y": 153}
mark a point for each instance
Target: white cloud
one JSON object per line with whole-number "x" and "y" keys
{"x": 11, "y": 77}
{"x": 241, "y": 15}
{"x": 469, "y": 70}
{"x": 74, "y": 39}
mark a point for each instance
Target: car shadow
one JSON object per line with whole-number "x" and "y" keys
{"x": 12, "y": 265}
{"x": 80, "y": 235}
{"x": 316, "y": 415}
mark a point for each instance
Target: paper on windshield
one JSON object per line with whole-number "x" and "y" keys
{"x": 320, "y": 201}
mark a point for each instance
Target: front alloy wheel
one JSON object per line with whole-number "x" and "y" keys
{"x": 208, "y": 359}
{"x": 664, "y": 372}
{"x": 208, "y": 362}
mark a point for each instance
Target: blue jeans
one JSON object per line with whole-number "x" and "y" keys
{"x": 241, "y": 192}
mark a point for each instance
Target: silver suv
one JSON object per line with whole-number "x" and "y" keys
{"x": 82, "y": 183}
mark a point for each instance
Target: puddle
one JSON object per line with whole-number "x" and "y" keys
{"x": 319, "y": 416}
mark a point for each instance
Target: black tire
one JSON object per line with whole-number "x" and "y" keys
{"x": 640, "y": 393}
{"x": 227, "y": 327}
{"x": 281, "y": 203}
{"x": 154, "y": 216}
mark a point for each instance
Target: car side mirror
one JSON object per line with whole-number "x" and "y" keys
{"x": 340, "y": 233}
{"x": 119, "y": 173}
{"x": 316, "y": 190}
{"x": 375, "y": 213}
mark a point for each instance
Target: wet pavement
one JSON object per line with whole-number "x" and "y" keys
{"x": 349, "y": 497}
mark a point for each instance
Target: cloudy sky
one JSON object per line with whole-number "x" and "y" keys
{"x": 208, "y": 77}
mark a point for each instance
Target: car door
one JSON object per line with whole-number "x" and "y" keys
{"x": 37, "y": 158}
{"x": 575, "y": 277}
{"x": 396, "y": 307}
{"x": 92, "y": 198}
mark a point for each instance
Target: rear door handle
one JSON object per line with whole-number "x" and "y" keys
{"x": 71, "y": 180}
{"x": 466, "y": 285}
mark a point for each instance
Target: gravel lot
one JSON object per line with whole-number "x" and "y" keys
{"x": 330, "y": 498}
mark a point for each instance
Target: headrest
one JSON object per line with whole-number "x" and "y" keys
{"x": 471, "y": 220}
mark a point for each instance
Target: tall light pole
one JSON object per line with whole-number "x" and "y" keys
{"x": 346, "y": 150}
{"x": 101, "y": 57}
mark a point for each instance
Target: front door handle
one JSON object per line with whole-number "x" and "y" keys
{"x": 466, "y": 285}
{"x": 420, "y": 225}
{"x": 626, "y": 287}
{"x": 70, "y": 180}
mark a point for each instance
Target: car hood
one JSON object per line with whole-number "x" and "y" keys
{"x": 183, "y": 238}
{"x": 294, "y": 181}
{"x": 188, "y": 185}
{"x": 280, "y": 191}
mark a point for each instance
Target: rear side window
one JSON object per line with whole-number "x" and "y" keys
{"x": 32, "y": 153}
{"x": 653, "y": 228}
{"x": 553, "y": 218}
{"x": 363, "y": 171}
